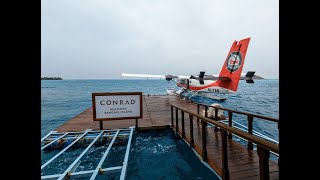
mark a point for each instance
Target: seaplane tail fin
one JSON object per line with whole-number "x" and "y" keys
{"x": 231, "y": 71}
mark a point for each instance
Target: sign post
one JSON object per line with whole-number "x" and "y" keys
{"x": 117, "y": 106}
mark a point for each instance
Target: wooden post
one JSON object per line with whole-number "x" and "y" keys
{"x": 225, "y": 169}
{"x": 216, "y": 118}
{"x": 230, "y": 124}
{"x": 204, "y": 141}
{"x": 101, "y": 125}
{"x": 137, "y": 124}
{"x": 250, "y": 120}
{"x": 205, "y": 112}
{"x": 264, "y": 155}
{"x": 198, "y": 111}
{"x": 171, "y": 116}
{"x": 177, "y": 120}
{"x": 191, "y": 131}
{"x": 182, "y": 126}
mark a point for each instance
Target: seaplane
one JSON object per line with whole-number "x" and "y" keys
{"x": 207, "y": 85}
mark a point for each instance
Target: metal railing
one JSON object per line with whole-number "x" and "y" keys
{"x": 263, "y": 146}
{"x": 70, "y": 172}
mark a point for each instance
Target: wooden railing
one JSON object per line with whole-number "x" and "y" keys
{"x": 263, "y": 146}
{"x": 239, "y": 112}
{"x": 250, "y": 117}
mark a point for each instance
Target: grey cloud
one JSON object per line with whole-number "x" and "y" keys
{"x": 100, "y": 39}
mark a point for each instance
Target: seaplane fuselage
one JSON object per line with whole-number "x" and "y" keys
{"x": 209, "y": 86}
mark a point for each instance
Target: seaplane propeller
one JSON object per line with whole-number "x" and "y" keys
{"x": 201, "y": 75}
{"x": 170, "y": 77}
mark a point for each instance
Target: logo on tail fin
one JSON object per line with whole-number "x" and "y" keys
{"x": 234, "y": 61}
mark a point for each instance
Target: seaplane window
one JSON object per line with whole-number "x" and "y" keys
{"x": 190, "y": 82}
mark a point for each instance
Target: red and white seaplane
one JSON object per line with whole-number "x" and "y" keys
{"x": 206, "y": 85}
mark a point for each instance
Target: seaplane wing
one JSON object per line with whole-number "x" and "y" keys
{"x": 204, "y": 77}
{"x": 143, "y": 75}
{"x": 167, "y": 77}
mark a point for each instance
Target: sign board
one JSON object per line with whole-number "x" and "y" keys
{"x": 117, "y": 106}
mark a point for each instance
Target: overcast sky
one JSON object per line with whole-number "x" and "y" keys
{"x": 100, "y": 39}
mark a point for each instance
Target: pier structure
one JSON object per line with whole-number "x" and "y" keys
{"x": 211, "y": 138}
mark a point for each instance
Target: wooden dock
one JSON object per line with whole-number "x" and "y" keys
{"x": 242, "y": 163}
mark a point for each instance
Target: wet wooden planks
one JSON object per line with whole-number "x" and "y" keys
{"x": 243, "y": 163}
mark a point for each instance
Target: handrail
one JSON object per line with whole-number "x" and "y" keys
{"x": 259, "y": 141}
{"x": 241, "y": 112}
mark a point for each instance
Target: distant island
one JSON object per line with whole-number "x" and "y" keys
{"x": 51, "y": 78}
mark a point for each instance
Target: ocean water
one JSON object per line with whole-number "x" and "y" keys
{"x": 61, "y": 100}
{"x": 158, "y": 154}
